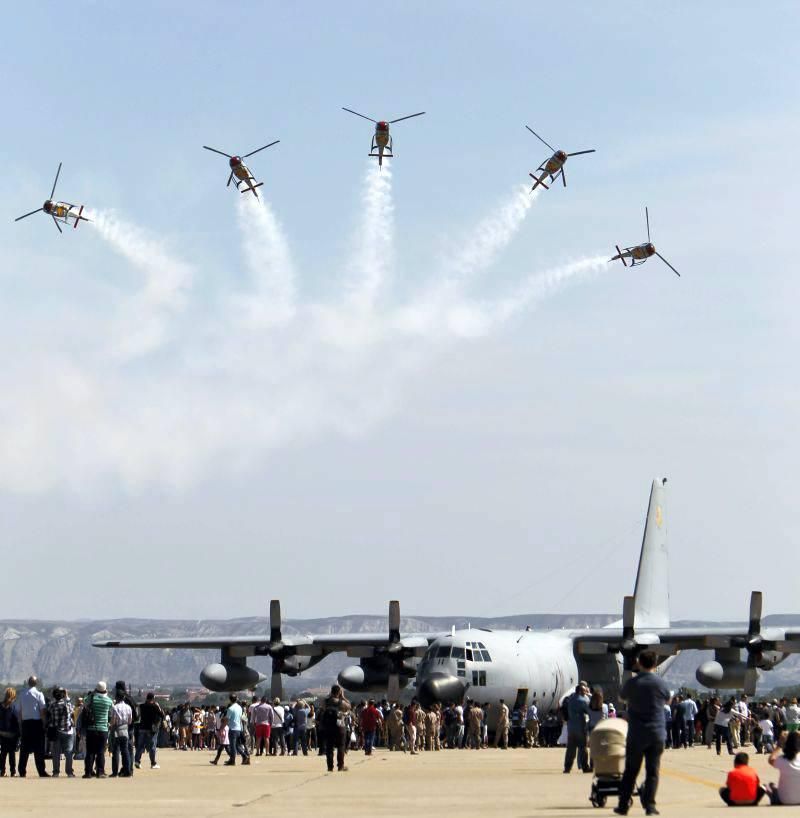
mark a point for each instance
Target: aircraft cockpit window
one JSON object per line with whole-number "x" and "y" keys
{"x": 476, "y": 656}
{"x": 485, "y": 656}
{"x": 429, "y": 654}
{"x": 443, "y": 652}
{"x": 469, "y": 655}
{"x": 458, "y": 653}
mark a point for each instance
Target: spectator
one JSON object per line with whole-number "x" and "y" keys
{"x": 276, "y": 738}
{"x": 787, "y": 764}
{"x": 370, "y": 721}
{"x": 150, "y": 717}
{"x": 234, "y": 720}
{"x": 95, "y": 717}
{"x": 722, "y": 721}
{"x": 577, "y": 707}
{"x": 31, "y": 713}
{"x": 262, "y": 723}
{"x": 9, "y": 733}
{"x": 301, "y": 718}
{"x": 742, "y": 789}
{"x": 61, "y": 731}
{"x": 121, "y": 721}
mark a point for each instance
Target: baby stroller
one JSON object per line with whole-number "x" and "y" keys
{"x": 607, "y": 748}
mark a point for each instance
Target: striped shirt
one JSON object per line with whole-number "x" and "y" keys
{"x": 101, "y": 707}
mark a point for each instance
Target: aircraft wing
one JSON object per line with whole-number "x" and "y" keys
{"x": 667, "y": 641}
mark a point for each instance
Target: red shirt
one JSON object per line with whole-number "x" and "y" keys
{"x": 371, "y": 717}
{"x": 742, "y": 784}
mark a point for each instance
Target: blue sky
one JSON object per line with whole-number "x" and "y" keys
{"x": 503, "y": 449}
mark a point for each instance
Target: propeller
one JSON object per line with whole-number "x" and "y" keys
{"x": 29, "y": 214}
{"x": 410, "y": 116}
{"x": 394, "y": 647}
{"x": 755, "y": 643}
{"x": 540, "y": 138}
{"x": 351, "y": 111}
{"x": 276, "y": 648}
{"x": 222, "y": 153}
{"x": 628, "y": 647}
{"x": 263, "y": 147}
{"x": 55, "y": 181}
{"x": 668, "y": 264}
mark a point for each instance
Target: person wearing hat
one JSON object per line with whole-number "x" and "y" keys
{"x": 96, "y": 710}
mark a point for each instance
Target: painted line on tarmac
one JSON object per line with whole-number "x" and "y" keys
{"x": 692, "y": 779}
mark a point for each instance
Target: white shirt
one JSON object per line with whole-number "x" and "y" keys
{"x": 122, "y": 713}
{"x": 789, "y": 781}
{"x": 533, "y": 713}
{"x": 277, "y": 716}
{"x": 460, "y": 713}
{"x": 793, "y": 714}
{"x": 722, "y": 719}
{"x": 767, "y": 728}
{"x": 30, "y": 704}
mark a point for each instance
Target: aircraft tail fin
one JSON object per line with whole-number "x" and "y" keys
{"x": 652, "y": 578}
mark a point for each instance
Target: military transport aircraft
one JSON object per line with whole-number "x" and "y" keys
{"x": 517, "y": 666}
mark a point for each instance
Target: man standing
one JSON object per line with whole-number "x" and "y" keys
{"x": 577, "y": 728}
{"x": 532, "y": 725}
{"x": 96, "y": 711}
{"x": 646, "y": 695}
{"x": 277, "y": 738}
{"x": 687, "y": 712}
{"x": 501, "y": 730}
{"x": 334, "y": 709}
{"x": 31, "y": 713}
{"x": 233, "y": 718}
{"x": 150, "y": 717}
{"x": 474, "y": 722}
{"x": 370, "y": 721}
{"x": 301, "y": 712}
{"x": 121, "y": 721}
{"x": 262, "y": 725}
{"x": 59, "y": 720}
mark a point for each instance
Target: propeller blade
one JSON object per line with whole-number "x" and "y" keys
{"x": 55, "y": 222}
{"x": 628, "y": 613}
{"x": 756, "y": 605}
{"x": 276, "y": 686}
{"x": 540, "y": 138}
{"x": 216, "y": 151}
{"x": 351, "y": 111}
{"x": 410, "y": 116}
{"x": 750, "y": 679}
{"x": 394, "y": 620}
{"x": 261, "y": 149}
{"x": 668, "y": 264}
{"x": 580, "y": 153}
{"x": 275, "y": 620}
{"x": 230, "y": 178}
{"x": 393, "y": 693}
{"x": 29, "y": 214}
{"x": 55, "y": 181}
{"x": 647, "y": 217}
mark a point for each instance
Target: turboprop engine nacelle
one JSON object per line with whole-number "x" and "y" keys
{"x": 359, "y": 679}
{"x": 728, "y": 676}
{"x": 228, "y": 678}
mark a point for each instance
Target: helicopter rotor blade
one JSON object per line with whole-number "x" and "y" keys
{"x": 261, "y": 149}
{"x": 55, "y": 222}
{"x": 563, "y": 176}
{"x": 647, "y": 218}
{"x": 410, "y": 116}
{"x": 230, "y": 178}
{"x": 351, "y": 111}
{"x": 579, "y": 153}
{"x": 668, "y": 264}
{"x": 29, "y": 214}
{"x": 540, "y": 138}
{"x": 55, "y": 181}
{"x": 216, "y": 151}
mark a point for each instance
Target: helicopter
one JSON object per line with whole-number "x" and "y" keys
{"x": 59, "y": 211}
{"x": 241, "y": 171}
{"x": 553, "y": 166}
{"x": 641, "y": 252}
{"x": 381, "y": 141}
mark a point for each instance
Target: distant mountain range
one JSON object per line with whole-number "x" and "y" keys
{"x": 62, "y": 652}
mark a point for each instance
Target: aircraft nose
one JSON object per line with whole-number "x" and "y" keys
{"x": 440, "y": 687}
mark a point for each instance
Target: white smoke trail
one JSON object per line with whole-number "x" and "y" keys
{"x": 491, "y": 236}
{"x": 266, "y": 250}
{"x": 167, "y": 280}
{"x": 374, "y": 255}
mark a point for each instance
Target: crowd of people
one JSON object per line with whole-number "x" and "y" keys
{"x": 107, "y": 723}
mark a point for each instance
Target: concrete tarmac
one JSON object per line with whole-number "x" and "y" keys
{"x": 467, "y": 783}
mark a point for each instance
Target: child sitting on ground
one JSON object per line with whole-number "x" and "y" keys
{"x": 742, "y": 789}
